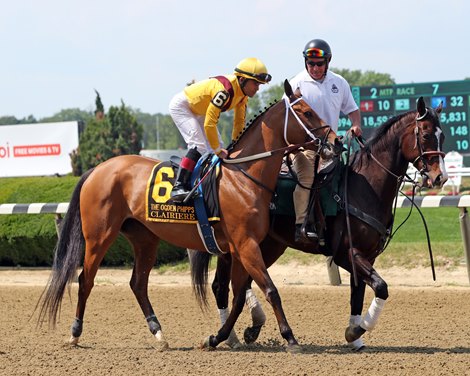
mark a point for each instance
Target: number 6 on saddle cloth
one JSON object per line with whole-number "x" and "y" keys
{"x": 201, "y": 206}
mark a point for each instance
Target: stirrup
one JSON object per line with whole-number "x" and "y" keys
{"x": 178, "y": 195}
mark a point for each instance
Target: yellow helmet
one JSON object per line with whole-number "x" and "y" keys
{"x": 253, "y": 69}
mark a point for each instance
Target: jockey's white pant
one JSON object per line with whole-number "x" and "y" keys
{"x": 303, "y": 164}
{"x": 190, "y": 125}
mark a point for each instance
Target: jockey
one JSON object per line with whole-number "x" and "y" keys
{"x": 328, "y": 94}
{"x": 196, "y": 112}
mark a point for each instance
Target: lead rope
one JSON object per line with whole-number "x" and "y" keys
{"x": 348, "y": 223}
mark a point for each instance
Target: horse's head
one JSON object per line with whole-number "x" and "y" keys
{"x": 423, "y": 145}
{"x": 310, "y": 127}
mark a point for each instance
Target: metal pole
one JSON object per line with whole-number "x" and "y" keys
{"x": 333, "y": 272}
{"x": 158, "y": 133}
{"x": 465, "y": 231}
{"x": 58, "y": 223}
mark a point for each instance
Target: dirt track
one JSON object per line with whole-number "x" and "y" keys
{"x": 424, "y": 329}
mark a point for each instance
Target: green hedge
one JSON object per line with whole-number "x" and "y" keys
{"x": 29, "y": 239}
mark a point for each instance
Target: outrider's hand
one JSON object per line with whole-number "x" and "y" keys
{"x": 356, "y": 131}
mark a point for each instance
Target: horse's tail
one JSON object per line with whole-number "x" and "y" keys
{"x": 68, "y": 254}
{"x": 199, "y": 262}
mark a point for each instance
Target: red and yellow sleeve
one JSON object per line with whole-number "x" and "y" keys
{"x": 210, "y": 127}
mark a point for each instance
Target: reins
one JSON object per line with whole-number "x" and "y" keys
{"x": 315, "y": 141}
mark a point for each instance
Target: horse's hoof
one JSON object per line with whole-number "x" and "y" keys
{"x": 206, "y": 345}
{"x": 357, "y": 345}
{"x": 161, "y": 344}
{"x": 294, "y": 349}
{"x": 353, "y": 332}
{"x": 251, "y": 334}
{"x": 233, "y": 342}
{"x": 73, "y": 341}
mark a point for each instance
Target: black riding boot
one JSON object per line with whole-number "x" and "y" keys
{"x": 182, "y": 187}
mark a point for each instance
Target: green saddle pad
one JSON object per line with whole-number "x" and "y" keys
{"x": 283, "y": 203}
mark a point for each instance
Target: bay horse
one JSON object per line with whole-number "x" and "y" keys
{"x": 110, "y": 199}
{"x": 373, "y": 179}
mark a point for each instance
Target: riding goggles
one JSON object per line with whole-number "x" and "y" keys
{"x": 314, "y": 52}
{"x": 262, "y": 77}
{"x": 317, "y": 63}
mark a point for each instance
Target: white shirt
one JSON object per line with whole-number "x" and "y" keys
{"x": 327, "y": 98}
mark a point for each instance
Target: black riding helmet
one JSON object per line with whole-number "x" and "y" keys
{"x": 317, "y": 48}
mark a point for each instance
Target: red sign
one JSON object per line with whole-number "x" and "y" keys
{"x": 36, "y": 150}
{"x": 367, "y": 106}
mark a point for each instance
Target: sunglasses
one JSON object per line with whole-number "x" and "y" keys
{"x": 317, "y": 63}
{"x": 264, "y": 77}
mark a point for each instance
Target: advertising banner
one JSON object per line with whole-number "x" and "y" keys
{"x": 37, "y": 149}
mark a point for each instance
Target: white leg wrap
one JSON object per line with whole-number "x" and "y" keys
{"x": 251, "y": 299}
{"x": 223, "y": 313}
{"x": 355, "y": 320}
{"x": 159, "y": 336}
{"x": 257, "y": 314}
{"x": 370, "y": 319}
{"x": 232, "y": 339}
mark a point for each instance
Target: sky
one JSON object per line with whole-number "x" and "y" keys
{"x": 56, "y": 52}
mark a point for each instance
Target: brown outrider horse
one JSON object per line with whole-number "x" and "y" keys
{"x": 111, "y": 199}
{"x": 373, "y": 179}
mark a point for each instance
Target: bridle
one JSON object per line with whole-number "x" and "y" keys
{"x": 315, "y": 141}
{"x": 289, "y": 107}
{"x": 424, "y": 156}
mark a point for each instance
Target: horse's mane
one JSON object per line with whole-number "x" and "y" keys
{"x": 250, "y": 125}
{"x": 378, "y": 139}
{"x": 380, "y": 132}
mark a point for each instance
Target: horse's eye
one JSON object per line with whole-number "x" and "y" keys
{"x": 308, "y": 114}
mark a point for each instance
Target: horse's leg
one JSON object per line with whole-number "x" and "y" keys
{"x": 145, "y": 250}
{"x": 258, "y": 317}
{"x": 356, "y": 302}
{"x": 94, "y": 254}
{"x": 99, "y": 233}
{"x": 252, "y": 260}
{"x": 271, "y": 249}
{"x": 239, "y": 279}
{"x": 221, "y": 289}
{"x": 366, "y": 271}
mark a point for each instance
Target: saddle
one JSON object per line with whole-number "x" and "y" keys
{"x": 202, "y": 208}
{"x": 321, "y": 203}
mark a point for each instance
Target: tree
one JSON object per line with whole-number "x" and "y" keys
{"x": 11, "y": 120}
{"x": 368, "y": 78}
{"x": 68, "y": 114}
{"x": 159, "y": 131}
{"x": 106, "y": 136}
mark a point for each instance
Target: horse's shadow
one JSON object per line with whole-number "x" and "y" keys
{"x": 346, "y": 350}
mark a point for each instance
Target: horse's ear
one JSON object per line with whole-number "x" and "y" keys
{"x": 421, "y": 106}
{"x": 288, "y": 88}
{"x": 439, "y": 108}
